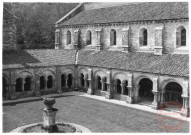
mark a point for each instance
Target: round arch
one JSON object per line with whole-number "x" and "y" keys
{"x": 100, "y": 73}
{"x": 139, "y": 78}
{"x": 121, "y": 76}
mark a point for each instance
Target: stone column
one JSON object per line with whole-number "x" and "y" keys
{"x": 58, "y": 80}
{"x": 109, "y": 93}
{"x": 185, "y": 111}
{"x": 23, "y": 84}
{"x": 122, "y": 89}
{"x": 136, "y": 94}
{"x": 99, "y": 34}
{"x": 45, "y": 81}
{"x": 155, "y": 103}
{"x": 37, "y": 89}
{"x": 85, "y": 83}
{"x": 66, "y": 81}
{"x": 90, "y": 88}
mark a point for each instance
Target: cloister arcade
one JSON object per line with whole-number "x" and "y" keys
{"x": 119, "y": 85}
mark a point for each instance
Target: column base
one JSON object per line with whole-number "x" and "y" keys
{"x": 90, "y": 91}
{"x": 185, "y": 112}
{"x": 59, "y": 91}
{"x": 108, "y": 95}
{"x": 130, "y": 100}
{"x": 155, "y": 105}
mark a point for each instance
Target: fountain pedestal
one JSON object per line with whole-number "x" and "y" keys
{"x": 49, "y": 114}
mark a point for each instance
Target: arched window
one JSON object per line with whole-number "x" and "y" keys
{"x": 113, "y": 36}
{"x": 50, "y": 82}
{"x": 27, "y": 85}
{"x": 42, "y": 82}
{"x": 143, "y": 35}
{"x": 18, "y": 86}
{"x": 181, "y": 36}
{"x": 88, "y": 37}
{"x": 68, "y": 35}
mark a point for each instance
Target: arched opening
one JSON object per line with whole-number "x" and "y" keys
{"x": 143, "y": 35}
{"x": 42, "y": 82}
{"x": 4, "y": 87}
{"x": 183, "y": 37}
{"x": 88, "y": 37}
{"x": 63, "y": 80}
{"x": 18, "y": 86}
{"x": 82, "y": 80}
{"x": 87, "y": 83}
{"x": 27, "y": 85}
{"x": 49, "y": 82}
{"x": 118, "y": 86}
{"x": 68, "y": 37}
{"x": 145, "y": 89}
{"x": 105, "y": 83}
{"x": 69, "y": 81}
{"x": 126, "y": 92}
{"x": 113, "y": 36}
{"x": 173, "y": 92}
{"x": 99, "y": 82}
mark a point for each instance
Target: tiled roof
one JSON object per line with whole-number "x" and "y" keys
{"x": 132, "y": 13}
{"x": 169, "y": 64}
{"x": 38, "y": 58}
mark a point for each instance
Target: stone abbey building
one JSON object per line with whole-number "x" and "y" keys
{"x": 134, "y": 52}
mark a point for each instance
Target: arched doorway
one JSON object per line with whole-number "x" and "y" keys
{"x": 49, "y": 82}
{"x": 18, "y": 86}
{"x": 99, "y": 82}
{"x": 42, "y": 82}
{"x": 63, "y": 80}
{"x": 145, "y": 89}
{"x": 69, "y": 81}
{"x": 82, "y": 80}
{"x": 4, "y": 87}
{"x": 173, "y": 92}
{"x": 27, "y": 85}
{"x": 118, "y": 86}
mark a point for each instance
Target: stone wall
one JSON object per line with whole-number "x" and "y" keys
{"x": 168, "y": 37}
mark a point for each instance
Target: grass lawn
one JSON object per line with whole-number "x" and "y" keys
{"x": 96, "y": 115}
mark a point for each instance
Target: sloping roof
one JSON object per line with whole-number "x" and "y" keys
{"x": 132, "y": 13}
{"x": 38, "y": 58}
{"x": 169, "y": 64}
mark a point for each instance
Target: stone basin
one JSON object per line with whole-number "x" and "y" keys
{"x": 62, "y": 128}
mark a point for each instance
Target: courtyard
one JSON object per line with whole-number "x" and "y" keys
{"x": 98, "y": 116}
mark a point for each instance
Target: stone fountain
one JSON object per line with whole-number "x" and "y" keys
{"x": 49, "y": 124}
